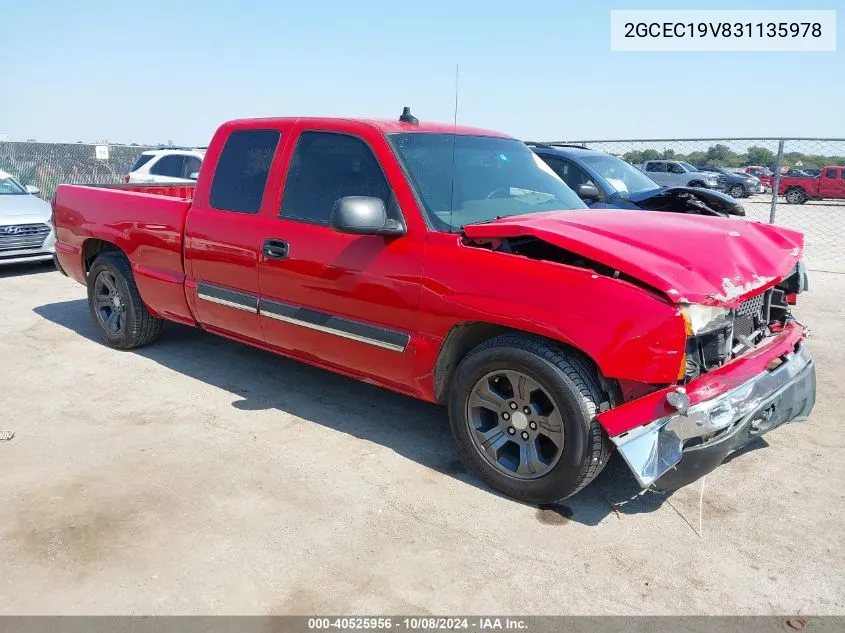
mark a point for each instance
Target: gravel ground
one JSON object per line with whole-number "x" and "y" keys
{"x": 200, "y": 476}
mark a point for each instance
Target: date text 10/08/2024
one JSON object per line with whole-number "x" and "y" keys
{"x": 418, "y": 624}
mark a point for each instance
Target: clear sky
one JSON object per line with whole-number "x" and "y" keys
{"x": 154, "y": 70}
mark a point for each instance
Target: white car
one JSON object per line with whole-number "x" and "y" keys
{"x": 26, "y": 227}
{"x": 166, "y": 166}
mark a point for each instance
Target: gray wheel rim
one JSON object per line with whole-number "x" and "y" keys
{"x": 109, "y": 303}
{"x": 737, "y": 191}
{"x": 793, "y": 196}
{"x": 515, "y": 424}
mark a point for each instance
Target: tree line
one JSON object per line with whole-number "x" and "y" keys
{"x": 723, "y": 156}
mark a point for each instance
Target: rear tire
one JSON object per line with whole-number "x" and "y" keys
{"x": 795, "y": 196}
{"x": 558, "y": 386}
{"x": 117, "y": 310}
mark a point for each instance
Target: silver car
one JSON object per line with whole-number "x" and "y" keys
{"x": 676, "y": 173}
{"x": 26, "y": 229}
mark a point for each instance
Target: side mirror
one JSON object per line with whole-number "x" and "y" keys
{"x": 32, "y": 189}
{"x": 194, "y": 175}
{"x": 362, "y": 215}
{"x": 588, "y": 192}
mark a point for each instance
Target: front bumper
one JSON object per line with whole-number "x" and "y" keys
{"x": 677, "y": 449}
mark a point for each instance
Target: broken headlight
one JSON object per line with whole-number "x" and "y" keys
{"x": 709, "y": 332}
{"x": 700, "y": 319}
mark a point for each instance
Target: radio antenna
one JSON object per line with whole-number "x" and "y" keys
{"x": 454, "y": 143}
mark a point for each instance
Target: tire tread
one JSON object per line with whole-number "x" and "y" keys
{"x": 146, "y": 328}
{"x": 579, "y": 371}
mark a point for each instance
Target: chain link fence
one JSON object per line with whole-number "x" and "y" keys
{"x": 45, "y": 165}
{"x": 818, "y": 212}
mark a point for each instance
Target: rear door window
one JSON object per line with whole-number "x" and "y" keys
{"x": 656, "y": 167}
{"x": 241, "y": 173}
{"x": 170, "y": 165}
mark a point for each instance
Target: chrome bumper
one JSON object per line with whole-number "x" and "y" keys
{"x": 762, "y": 403}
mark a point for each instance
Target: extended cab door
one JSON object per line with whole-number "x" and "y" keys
{"x": 832, "y": 182}
{"x": 349, "y": 302}
{"x": 224, "y": 233}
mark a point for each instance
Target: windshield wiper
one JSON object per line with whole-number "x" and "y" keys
{"x": 487, "y": 221}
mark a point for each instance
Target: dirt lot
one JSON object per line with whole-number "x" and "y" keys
{"x": 201, "y": 476}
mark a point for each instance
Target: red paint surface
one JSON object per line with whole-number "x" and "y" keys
{"x": 425, "y": 283}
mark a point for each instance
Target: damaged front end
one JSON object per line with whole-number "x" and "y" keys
{"x": 742, "y": 368}
{"x": 746, "y": 371}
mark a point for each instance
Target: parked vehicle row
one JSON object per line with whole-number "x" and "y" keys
{"x": 454, "y": 265}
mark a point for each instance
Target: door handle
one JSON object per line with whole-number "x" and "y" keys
{"x": 276, "y": 249}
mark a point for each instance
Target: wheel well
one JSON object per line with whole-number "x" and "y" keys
{"x": 463, "y": 338}
{"x": 695, "y": 183}
{"x": 94, "y": 247}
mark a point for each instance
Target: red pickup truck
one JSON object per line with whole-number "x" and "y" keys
{"x": 829, "y": 184}
{"x": 452, "y": 265}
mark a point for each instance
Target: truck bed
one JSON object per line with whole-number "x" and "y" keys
{"x": 147, "y": 223}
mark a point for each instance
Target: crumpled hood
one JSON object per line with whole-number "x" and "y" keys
{"x": 23, "y": 209}
{"x": 689, "y": 258}
{"x": 676, "y": 198}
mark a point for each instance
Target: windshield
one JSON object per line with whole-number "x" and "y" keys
{"x": 9, "y": 186}
{"x": 687, "y": 166}
{"x": 493, "y": 178}
{"x": 623, "y": 177}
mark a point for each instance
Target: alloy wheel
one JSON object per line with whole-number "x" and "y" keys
{"x": 109, "y": 303}
{"x": 515, "y": 424}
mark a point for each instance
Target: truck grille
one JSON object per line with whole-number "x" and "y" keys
{"x": 713, "y": 349}
{"x": 16, "y": 237}
{"x": 749, "y": 315}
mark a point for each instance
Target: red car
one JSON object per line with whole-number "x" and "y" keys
{"x": 830, "y": 184}
{"x": 763, "y": 174}
{"x": 452, "y": 265}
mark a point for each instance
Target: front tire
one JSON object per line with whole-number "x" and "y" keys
{"x": 737, "y": 191}
{"x": 117, "y": 310}
{"x": 522, "y": 412}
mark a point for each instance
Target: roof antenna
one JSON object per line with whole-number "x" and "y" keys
{"x": 454, "y": 150}
{"x": 407, "y": 117}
